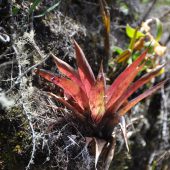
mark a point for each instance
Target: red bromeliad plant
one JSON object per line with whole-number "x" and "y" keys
{"x": 96, "y": 104}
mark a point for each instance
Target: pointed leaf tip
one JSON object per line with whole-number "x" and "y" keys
{"x": 85, "y": 72}
{"x": 72, "y": 108}
{"x": 136, "y": 100}
{"x": 122, "y": 84}
{"x": 136, "y": 85}
{"x": 122, "y": 78}
{"x": 67, "y": 70}
{"x": 100, "y": 143}
{"x": 68, "y": 86}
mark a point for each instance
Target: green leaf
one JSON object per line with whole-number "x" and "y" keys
{"x": 15, "y": 9}
{"x": 34, "y": 5}
{"x": 132, "y": 42}
{"x": 131, "y": 31}
{"x": 154, "y": 165}
{"x": 48, "y": 10}
{"x": 159, "y": 29}
{"x": 150, "y": 46}
{"x": 124, "y": 9}
{"x": 117, "y": 49}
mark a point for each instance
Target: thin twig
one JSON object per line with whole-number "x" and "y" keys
{"x": 6, "y": 51}
{"x": 31, "y": 161}
{"x": 143, "y": 18}
{"x": 164, "y": 110}
{"x": 7, "y": 63}
{"x": 89, "y": 3}
{"x": 164, "y": 15}
{"x": 24, "y": 73}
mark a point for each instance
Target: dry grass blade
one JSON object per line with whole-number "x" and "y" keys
{"x": 99, "y": 147}
{"x": 110, "y": 154}
{"x": 123, "y": 128}
{"x": 88, "y": 140}
{"x": 124, "y": 56}
{"x": 105, "y": 15}
{"x": 106, "y": 22}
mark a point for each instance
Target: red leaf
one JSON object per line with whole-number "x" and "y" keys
{"x": 135, "y": 86}
{"x": 85, "y": 71}
{"x": 133, "y": 102}
{"x": 67, "y": 70}
{"x": 61, "y": 100}
{"x": 122, "y": 77}
{"x": 121, "y": 88}
{"x": 97, "y": 98}
{"x": 68, "y": 86}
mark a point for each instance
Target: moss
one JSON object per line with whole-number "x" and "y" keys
{"x": 13, "y": 138}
